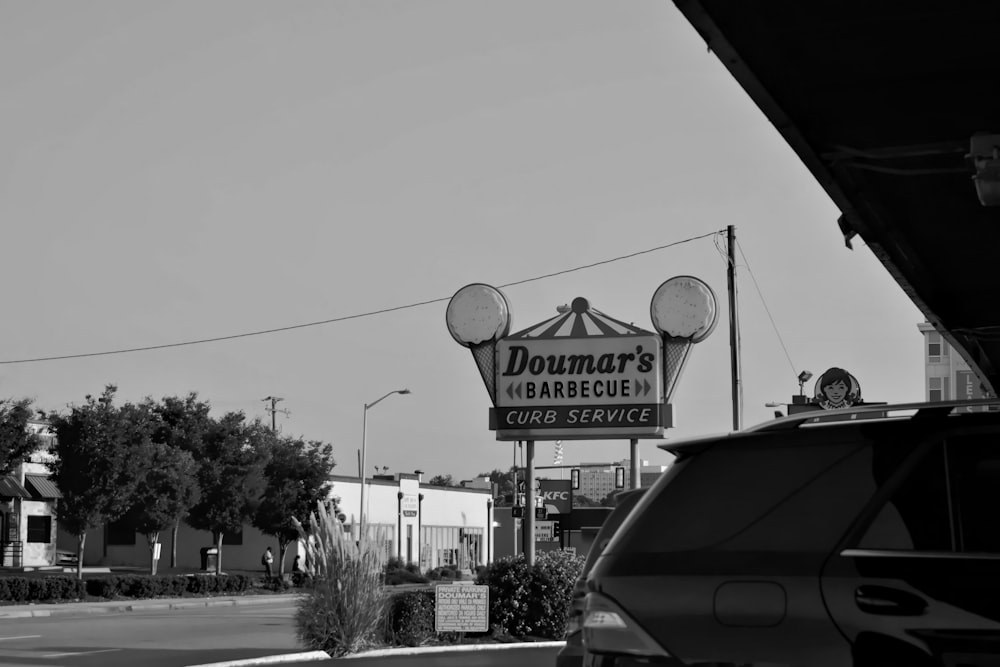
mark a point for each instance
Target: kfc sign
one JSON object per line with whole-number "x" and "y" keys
{"x": 556, "y": 495}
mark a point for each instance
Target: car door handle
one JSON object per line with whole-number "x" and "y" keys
{"x": 886, "y": 601}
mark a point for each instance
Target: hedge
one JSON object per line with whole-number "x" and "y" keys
{"x": 56, "y": 588}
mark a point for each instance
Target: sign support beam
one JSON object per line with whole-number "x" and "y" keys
{"x": 634, "y": 464}
{"x": 529, "y": 501}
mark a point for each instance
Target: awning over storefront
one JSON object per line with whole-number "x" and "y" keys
{"x": 10, "y": 488}
{"x": 41, "y": 487}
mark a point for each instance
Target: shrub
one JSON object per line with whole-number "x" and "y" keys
{"x": 531, "y": 600}
{"x": 396, "y": 577}
{"x": 411, "y": 618}
{"x": 509, "y": 581}
{"x": 344, "y": 611}
{"x": 553, "y": 577}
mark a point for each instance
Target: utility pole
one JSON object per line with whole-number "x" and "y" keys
{"x": 734, "y": 331}
{"x": 274, "y": 410}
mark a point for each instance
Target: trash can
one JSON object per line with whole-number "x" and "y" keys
{"x": 209, "y": 558}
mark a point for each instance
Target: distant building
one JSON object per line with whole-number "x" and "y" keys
{"x": 28, "y": 508}
{"x": 597, "y": 480}
{"x": 947, "y": 375}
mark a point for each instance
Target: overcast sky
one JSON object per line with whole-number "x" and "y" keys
{"x": 175, "y": 172}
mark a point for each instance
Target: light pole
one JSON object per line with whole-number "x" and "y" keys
{"x": 364, "y": 449}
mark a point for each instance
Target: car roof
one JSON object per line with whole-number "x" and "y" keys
{"x": 843, "y": 417}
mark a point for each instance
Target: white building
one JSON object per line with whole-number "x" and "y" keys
{"x": 28, "y": 508}
{"x": 428, "y": 525}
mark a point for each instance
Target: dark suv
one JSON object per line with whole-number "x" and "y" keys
{"x": 860, "y": 537}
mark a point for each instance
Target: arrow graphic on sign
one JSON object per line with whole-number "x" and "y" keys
{"x": 641, "y": 387}
{"x": 513, "y": 389}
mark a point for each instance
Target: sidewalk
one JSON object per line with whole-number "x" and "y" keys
{"x": 44, "y": 610}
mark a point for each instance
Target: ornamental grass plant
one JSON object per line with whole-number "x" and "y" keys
{"x": 344, "y": 611}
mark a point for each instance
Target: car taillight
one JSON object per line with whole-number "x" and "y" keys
{"x": 608, "y": 629}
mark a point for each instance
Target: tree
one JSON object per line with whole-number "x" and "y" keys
{"x": 298, "y": 476}
{"x": 584, "y": 501}
{"x": 231, "y": 477}
{"x": 182, "y": 425}
{"x": 100, "y": 454}
{"x": 503, "y": 482}
{"x": 169, "y": 489}
{"x": 16, "y": 442}
{"x": 441, "y": 480}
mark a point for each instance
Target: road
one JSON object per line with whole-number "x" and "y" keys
{"x": 204, "y": 635}
{"x": 169, "y": 638}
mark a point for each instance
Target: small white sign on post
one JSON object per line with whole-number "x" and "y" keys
{"x": 156, "y": 551}
{"x": 544, "y": 531}
{"x": 461, "y": 608}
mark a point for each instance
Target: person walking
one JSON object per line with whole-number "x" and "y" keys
{"x": 267, "y": 560}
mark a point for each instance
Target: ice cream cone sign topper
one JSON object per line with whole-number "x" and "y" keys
{"x": 477, "y": 317}
{"x": 684, "y": 311}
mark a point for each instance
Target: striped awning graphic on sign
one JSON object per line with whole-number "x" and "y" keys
{"x": 580, "y": 321}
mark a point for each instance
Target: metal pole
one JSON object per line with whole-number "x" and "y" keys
{"x": 364, "y": 450}
{"x": 634, "y": 468}
{"x": 515, "y": 497}
{"x": 734, "y": 331}
{"x": 529, "y": 489}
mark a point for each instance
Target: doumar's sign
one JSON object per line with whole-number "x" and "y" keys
{"x": 582, "y": 374}
{"x": 579, "y": 375}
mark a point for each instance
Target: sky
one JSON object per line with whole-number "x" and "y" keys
{"x": 332, "y": 172}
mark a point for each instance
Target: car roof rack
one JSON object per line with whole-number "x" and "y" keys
{"x": 936, "y": 409}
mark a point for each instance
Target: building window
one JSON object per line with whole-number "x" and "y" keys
{"x": 936, "y": 349}
{"x": 120, "y": 535}
{"x": 937, "y": 389}
{"x": 40, "y": 529}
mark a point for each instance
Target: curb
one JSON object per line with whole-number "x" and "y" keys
{"x": 270, "y": 659}
{"x": 459, "y": 648}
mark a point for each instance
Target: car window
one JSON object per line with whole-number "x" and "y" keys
{"x": 624, "y": 504}
{"x": 974, "y": 463}
{"x": 730, "y": 488}
{"x": 915, "y": 516}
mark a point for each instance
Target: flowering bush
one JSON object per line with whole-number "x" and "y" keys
{"x": 531, "y": 600}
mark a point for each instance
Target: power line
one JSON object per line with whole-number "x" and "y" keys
{"x": 766, "y": 309}
{"x": 345, "y": 318}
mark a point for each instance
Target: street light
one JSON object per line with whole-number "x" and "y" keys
{"x": 364, "y": 449}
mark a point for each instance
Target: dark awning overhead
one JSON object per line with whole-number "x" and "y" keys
{"x": 11, "y": 488}
{"x": 880, "y": 100}
{"x": 41, "y": 487}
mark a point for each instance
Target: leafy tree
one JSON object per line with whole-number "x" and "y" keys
{"x": 170, "y": 488}
{"x": 584, "y": 501}
{"x": 183, "y": 423}
{"x": 503, "y": 483}
{"x": 442, "y": 480}
{"x": 16, "y": 442}
{"x": 231, "y": 476}
{"x": 100, "y": 455}
{"x": 298, "y": 476}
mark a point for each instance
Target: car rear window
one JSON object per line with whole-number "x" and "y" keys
{"x": 733, "y": 495}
